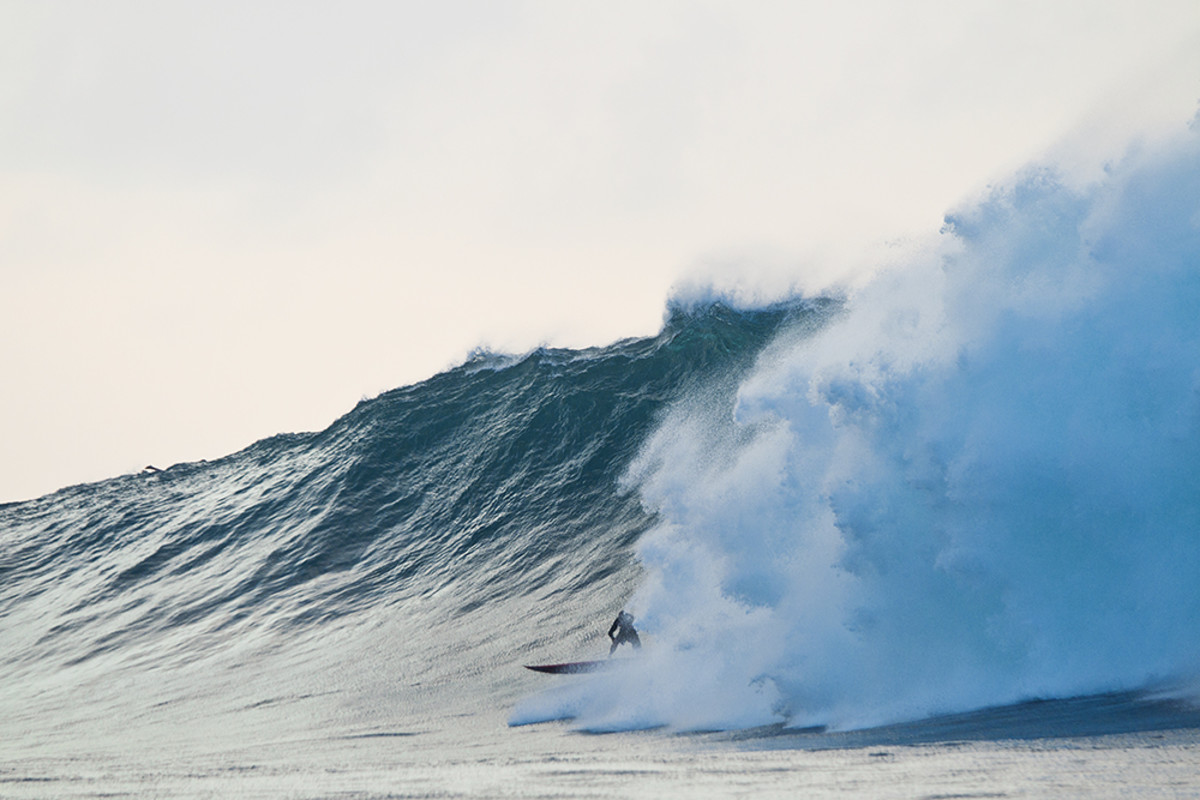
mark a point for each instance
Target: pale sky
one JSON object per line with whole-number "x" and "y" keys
{"x": 224, "y": 220}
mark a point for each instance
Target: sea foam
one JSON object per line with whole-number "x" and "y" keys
{"x": 981, "y": 484}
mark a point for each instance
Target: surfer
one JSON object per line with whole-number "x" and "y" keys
{"x": 622, "y": 631}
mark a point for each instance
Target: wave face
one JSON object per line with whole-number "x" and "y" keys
{"x": 980, "y": 485}
{"x": 448, "y": 529}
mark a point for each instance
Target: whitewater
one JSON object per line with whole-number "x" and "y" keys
{"x": 936, "y": 535}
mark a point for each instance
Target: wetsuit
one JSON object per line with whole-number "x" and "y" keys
{"x": 622, "y": 627}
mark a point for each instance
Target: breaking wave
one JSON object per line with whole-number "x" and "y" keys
{"x": 979, "y": 485}
{"x": 974, "y": 482}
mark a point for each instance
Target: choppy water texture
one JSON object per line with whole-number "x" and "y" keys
{"x": 939, "y": 537}
{"x": 477, "y": 756}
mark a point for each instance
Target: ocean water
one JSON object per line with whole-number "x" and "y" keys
{"x": 935, "y": 537}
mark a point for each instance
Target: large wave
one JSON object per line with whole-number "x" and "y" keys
{"x": 973, "y": 482}
{"x": 980, "y": 485}
{"x": 407, "y": 559}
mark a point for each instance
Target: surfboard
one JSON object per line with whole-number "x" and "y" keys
{"x": 571, "y": 667}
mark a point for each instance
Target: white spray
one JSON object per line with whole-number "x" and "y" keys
{"x": 980, "y": 485}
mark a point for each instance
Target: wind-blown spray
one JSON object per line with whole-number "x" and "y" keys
{"x": 980, "y": 485}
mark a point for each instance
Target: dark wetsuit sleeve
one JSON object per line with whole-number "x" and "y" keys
{"x": 616, "y": 624}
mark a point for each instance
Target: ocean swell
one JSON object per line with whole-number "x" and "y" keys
{"x": 406, "y": 560}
